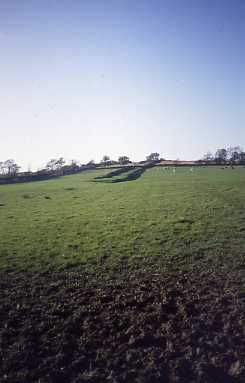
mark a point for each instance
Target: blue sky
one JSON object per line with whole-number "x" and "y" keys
{"x": 81, "y": 79}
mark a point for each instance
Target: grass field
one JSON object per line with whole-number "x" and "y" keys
{"x": 188, "y": 216}
{"x": 89, "y": 233}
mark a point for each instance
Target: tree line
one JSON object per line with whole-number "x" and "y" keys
{"x": 58, "y": 166}
{"x": 232, "y": 155}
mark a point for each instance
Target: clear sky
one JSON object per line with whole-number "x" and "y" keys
{"x": 84, "y": 78}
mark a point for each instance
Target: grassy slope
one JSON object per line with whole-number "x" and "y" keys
{"x": 197, "y": 216}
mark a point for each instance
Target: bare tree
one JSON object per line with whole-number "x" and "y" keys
{"x": 60, "y": 162}
{"x": 234, "y": 154}
{"x": 221, "y": 155}
{"x": 51, "y": 165}
{"x": 105, "y": 159}
{"x": 123, "y": 160}
{"x": 55, "y": 164}
{"x": 153, "y": 157}
{"x": 75, "y": 164}
{"x": 2, "y": 168}
{"x": 10, "y": 167}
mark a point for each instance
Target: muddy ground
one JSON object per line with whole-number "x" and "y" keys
{"x": 141, "y": 324}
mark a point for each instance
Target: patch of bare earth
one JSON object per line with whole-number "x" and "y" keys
{"x": 138, "y": 325}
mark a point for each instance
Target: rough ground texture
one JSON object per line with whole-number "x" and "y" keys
{"x": 137, "y": 325}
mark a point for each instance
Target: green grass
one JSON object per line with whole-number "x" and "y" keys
{"x": 163, "y": 217}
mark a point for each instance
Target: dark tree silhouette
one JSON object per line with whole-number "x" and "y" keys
{"x": 221, "y": 155}
{"x": 55, "y": 164}
{"x": 9, "y": 167}
{"x": 123, "y": 160}
{"x": 153, "y": 157}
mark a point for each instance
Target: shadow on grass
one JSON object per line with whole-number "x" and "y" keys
{"x": 115, "y": 173}
{"x": 131, "y": 176}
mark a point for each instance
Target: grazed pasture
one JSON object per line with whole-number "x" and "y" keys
{"x": 137, "y": 276}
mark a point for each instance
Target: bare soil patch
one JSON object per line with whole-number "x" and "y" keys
{"x": 132, "y": 325}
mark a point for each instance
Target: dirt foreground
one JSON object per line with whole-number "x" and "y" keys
{"x": 138, "y": 325}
